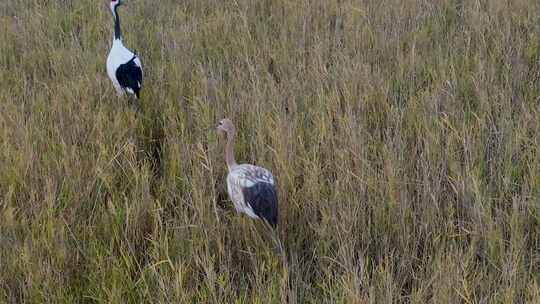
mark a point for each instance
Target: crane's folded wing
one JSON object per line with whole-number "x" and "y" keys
{"x": 262, "y": 197}
{"x": 129, "y": 76}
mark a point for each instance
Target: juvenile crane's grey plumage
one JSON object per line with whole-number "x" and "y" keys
{"x": 123, "y": 66}
{"x": 252, "y": 189}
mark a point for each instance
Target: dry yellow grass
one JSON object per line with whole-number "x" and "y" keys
{"x": 404, "y": 136}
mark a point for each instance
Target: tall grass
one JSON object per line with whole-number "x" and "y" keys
{"x": 404, "y": 135}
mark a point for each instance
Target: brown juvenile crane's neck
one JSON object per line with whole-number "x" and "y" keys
{"x": 229, "y": 149}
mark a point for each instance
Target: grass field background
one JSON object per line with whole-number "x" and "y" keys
{"x": 404, "y": 135}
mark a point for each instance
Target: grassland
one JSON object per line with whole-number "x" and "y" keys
{"x": 404, "y": 134}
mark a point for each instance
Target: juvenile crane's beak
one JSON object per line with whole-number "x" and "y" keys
{"x": 219, "y": 127}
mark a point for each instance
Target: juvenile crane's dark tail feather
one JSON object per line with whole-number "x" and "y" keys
{"x": 262, "y": 197}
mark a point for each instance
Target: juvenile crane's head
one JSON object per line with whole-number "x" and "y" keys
{"x": 226, "y": 126}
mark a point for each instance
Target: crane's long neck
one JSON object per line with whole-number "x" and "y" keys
{"x": 117, "y": 32}
{"x": 229, "y": 150}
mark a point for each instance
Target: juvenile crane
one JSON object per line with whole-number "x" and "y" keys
{"x": 252, "y": 189}
{"x": 123, "y": 66}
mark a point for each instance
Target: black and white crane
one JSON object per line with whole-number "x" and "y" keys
{"x": 123, "y": 66}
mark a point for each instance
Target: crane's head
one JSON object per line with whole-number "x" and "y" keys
{"x": 225, "y": 125}
{"x": 116, "y": 3}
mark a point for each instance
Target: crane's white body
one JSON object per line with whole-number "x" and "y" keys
{"x": 119, "y": 55}
{"x": 245, "y": 176}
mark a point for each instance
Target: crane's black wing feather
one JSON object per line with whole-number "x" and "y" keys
{"x": 262, "y": 197}
{"x": 129, "y": 76}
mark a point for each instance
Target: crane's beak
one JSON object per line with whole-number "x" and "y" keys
{"x": 220, "y": 129}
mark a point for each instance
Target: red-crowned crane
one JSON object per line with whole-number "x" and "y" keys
{"x": 123, "y": 66}
{"x": 252, "y": 189}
